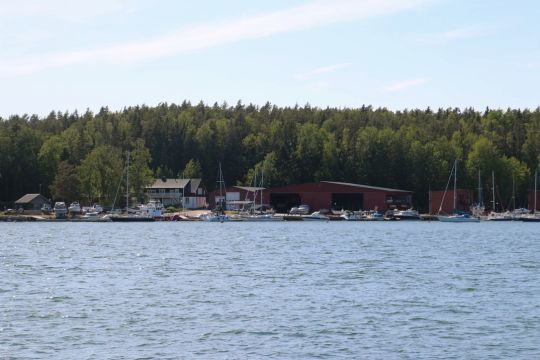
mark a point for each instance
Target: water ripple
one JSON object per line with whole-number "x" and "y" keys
{"x": 281, "y": 290}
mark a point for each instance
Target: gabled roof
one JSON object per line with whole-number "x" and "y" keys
{"x": 195, "y": 183}
{"x": 28, "y": 198}
{"x": 175, "y": 184}
{"x": 169, "y": 184}
{"x": 366, "y": 186}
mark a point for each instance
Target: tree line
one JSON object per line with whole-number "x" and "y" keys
{"x": 72, "y": 156}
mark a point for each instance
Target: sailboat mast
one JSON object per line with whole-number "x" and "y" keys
{"x": 254, "y": 189}
{"x": 479, "y": 189}
{"x": 513, "y": 192}
{"x": 262, "y": 189}
{"x": 127, "y": 183}
{"x": 220, "y": 181}
{"x": 535, "y": 181}
{"x": 455, "y": 184}
{"x": 493, "y": 191}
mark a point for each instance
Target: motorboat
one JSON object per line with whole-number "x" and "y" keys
{"x": 153, "y": 209}
{"x": 300, "y": 210}
{"x": 409, "y": 214}
{"x": 94, "y": 208}
{"x": 74, "y": 208}
{"x": 496, "y": 216}
{"x": 317, "y": 216}
{"x": 60, "y": 210}
{"x": 215, "y": 217}
{"x": 93, "y": 216}
{"x": 46, "y": 209}
{"x": 352, "y": 216}
{"x": 373, "y": 216}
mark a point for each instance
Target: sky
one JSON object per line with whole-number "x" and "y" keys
{"x": 67, "y": 55}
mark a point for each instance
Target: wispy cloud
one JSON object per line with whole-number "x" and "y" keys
{"x": 321, "y": 70}
{"x": 463, "y": 32}
{"x": 406, "y": 84}
{"x": 310, "y": 15}
{"x": 67, "y": 10}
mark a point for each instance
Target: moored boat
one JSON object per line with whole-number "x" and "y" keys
{"x": 456, "y": 217}
{"x": 60, "y": 210}
{"x": 409, "y": 214}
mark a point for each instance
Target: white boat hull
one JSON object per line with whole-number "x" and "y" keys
{"x": 457, "y": 218}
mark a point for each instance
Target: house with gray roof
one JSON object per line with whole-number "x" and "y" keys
{"x": 187, "y": 193}
{"x": 32, "y": 202}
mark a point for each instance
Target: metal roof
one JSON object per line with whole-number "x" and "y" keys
{"x": 169, "y": 184}
{"x": 249, "y": 188}
{"x": 28, "y": 198}
{"x": 366, "y": 186}
{"x": 175, "y": 184}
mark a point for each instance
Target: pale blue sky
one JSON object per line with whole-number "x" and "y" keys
{"x": 69, "y": 54}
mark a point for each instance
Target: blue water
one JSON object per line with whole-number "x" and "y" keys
{"x": 391, "y": 290}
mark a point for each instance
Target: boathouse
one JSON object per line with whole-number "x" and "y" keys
{"x": 32, "y": 202}
{"x": 187, "y": 193}
{"x": 338, "y": 196}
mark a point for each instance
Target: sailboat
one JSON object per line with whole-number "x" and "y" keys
{"x": 218, "y": 214}
{"x": 478, "y": 210}
{"x": 137, "y": 216}
{"x": 534, "y": 217}
{"x": 455, "y": 217}
{"x": 494, "y": 215}
{"x": 260, "y": 215}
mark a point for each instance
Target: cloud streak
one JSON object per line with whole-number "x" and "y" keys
{"x": 407, "y": 84}
{"x": 321, "y": 70}
{"x": 310, "y": 15}
{"x": 465, "y": 32}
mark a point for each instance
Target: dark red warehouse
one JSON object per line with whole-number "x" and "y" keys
{"x": 338, "y": 196}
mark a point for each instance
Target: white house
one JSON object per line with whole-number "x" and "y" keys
{"x": 187, "y": 193}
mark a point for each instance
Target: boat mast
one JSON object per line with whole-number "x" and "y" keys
{"x": 254, "y": 190}
{"x": 493, "y": 191}
{"x": 262, "y": 189}
{"x": 127, "y": 183}
{"x": 513, "y": 192}
{"x": 455, "y": 185}
{"x": 535, "y": 181}
{"x": 220, "y": 181}
{"x": 479, "y": 189}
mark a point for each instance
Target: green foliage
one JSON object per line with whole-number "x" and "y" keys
{"x": 192, "y": 170}
{"x": 101, "y": 174}
{"x": 140, "y": 174}
{"x": 409, "y": 149}
{"x": 67, "y": 184}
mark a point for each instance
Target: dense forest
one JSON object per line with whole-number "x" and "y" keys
{"x": 72, "y": 156}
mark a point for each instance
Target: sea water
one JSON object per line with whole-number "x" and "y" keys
{"x": 280, "y": 290}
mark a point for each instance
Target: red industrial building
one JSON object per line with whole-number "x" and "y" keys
{"x": 338, "y": 196}
{"x": 531, "y": 201}
{"x": 464, "y": 201}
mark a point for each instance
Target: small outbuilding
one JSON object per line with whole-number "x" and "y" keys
{"x": 32, "y": 202}
{"x": 339, "y": 196}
